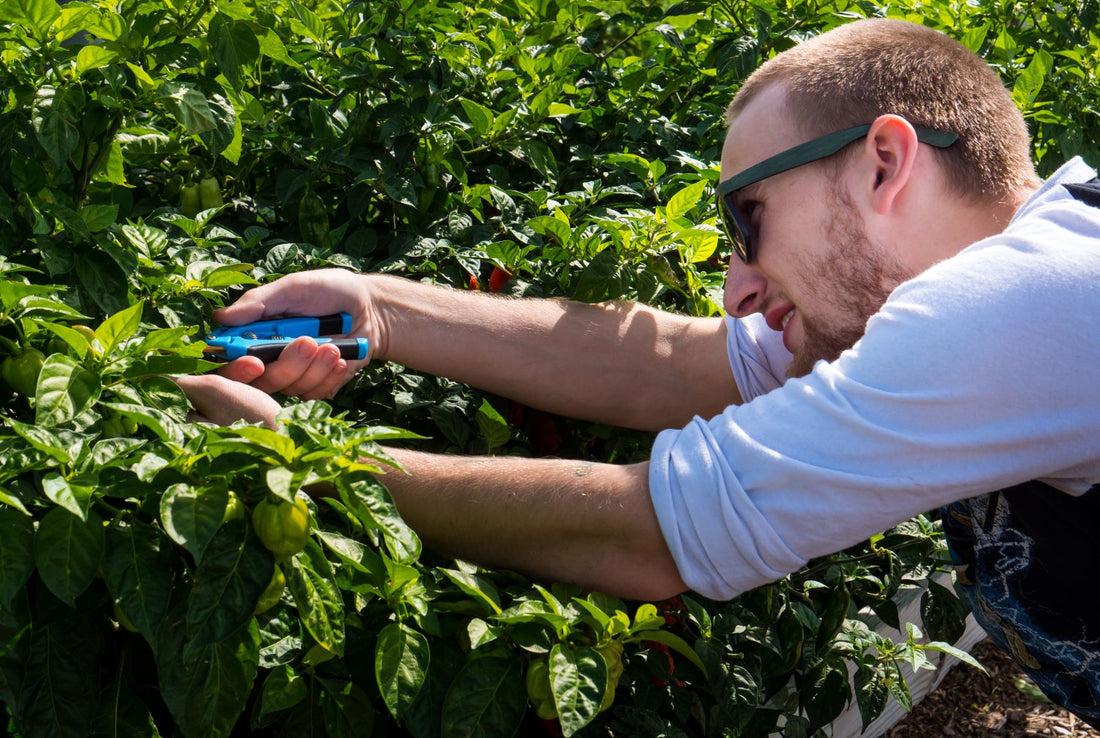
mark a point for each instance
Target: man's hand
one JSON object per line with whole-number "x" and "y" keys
{"x": 622, "y": 364}
{"x": 222, "y": 401}
{"x": 305, "y": 368}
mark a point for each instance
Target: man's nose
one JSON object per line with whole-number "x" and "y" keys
{"x": 745, "y": 289}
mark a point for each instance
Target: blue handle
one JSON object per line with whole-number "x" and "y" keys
{"x": 292, "y": 327}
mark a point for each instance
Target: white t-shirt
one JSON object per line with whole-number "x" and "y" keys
{"x": 980, "y": 373}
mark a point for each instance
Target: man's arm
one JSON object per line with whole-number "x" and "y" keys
{"x": 619, "y": 363}
{"x": 554, "y": 519}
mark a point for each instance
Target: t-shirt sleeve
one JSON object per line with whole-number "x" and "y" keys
{"x": 757, "y": 355}
{"x": 956, "y": 389}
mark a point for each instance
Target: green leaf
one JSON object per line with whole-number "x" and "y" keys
{"x": 353, "y": 553}
{"x": 557, "y": 110}
{"x": 138, "y": 571}
{"x": 958, "y": 653}
{"x": 486, "y": 699}
{"x": 551, "y": 227}
{"x": 318, "y": 599}
{"x": 64, "y": 667}
{"x": 480, "y": 117}
{"x": 282, "y": 689}
{"x": 673, "y": 641}
{"x": 65, "y": 390}
{"x": 36, "y": 15}
{"x": 833, "y": 617}
{"x": 119, "y": 327}
{"x": 371, "y": 503}
{"x": 285, "y": 483}
{"x": 346, "y": 708}
{"x": 74, "y": 498}
{"x": 56, "y": 121}
{"x": 265, "y": 438}
{"x": 16, "y": 553}
{"x": 685, "y": 199}
{"x": 189, "y": 106}
{"x": 824, "y": 692}
{"x": 67, "y": 552}
{"x": 99, "y": 217}
{"x": 192, "y": 515}
{"x": 225, "y": 133}
{"x": 206, "y": 691}
{"x": 307, "y": 22}
{"x": 1030, "y": 81}
{"x": 578, "y": 678}
{"x": 401, "y": 660}
{"x": 103, "y": 280}
{"x": 871, "y": 694}
{"x": 899, "y": 688}
{"x": 942, "y": 613}
{"x": 234, "y": 45}
{"x": 477, "y": 587}
{"x": 121, "y": 711}
{"x": 234, "y": 570}
{"x": 605, "y": 278}
{"x": 92, "y": 57}
{"x": 493, "y": 426}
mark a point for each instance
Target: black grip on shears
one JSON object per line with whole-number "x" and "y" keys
{"x": 350, "y": 349}
{"x": 335, "y": 324}
{"x": 266, "y": 352}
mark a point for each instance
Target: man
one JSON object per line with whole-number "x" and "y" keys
{"x": 938, "y": 304}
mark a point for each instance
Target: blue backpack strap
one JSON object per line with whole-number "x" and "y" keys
{"x": 1028, "y": 560}
{"x": 1086, "y": 192}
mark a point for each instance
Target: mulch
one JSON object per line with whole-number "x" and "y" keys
{"x": 1004, "y": 704}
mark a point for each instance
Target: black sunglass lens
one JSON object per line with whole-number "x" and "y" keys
{"x": 735, "y": 231}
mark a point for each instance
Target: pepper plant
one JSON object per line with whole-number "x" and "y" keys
{"x": 162, "y": 577}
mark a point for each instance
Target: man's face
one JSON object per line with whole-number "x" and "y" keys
{"x": 817, "y": 276}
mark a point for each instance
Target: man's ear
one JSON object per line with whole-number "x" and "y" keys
{"x": 891, "y": 148}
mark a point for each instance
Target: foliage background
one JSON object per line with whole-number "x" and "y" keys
{"x": 533, "y": 148}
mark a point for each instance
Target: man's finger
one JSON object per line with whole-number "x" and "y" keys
{"x": 294, "y": 362}
{"x": 246, "y": 369}
{"x": 324, "y": 370}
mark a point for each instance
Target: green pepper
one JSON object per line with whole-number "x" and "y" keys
{"x": 190, "y": 201}
{"x": 210, "y": 193}
{"x": 272, "y": 593}
{"x": 282, "y": 527}
{"x": 313, "y": 220}
{"x": 234, "y": 508}
{"x": 21, "y": 370}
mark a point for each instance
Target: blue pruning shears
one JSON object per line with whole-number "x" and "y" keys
{"x": 266, "y": 339}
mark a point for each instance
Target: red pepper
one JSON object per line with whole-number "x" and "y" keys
{"x": 498, "y": 279}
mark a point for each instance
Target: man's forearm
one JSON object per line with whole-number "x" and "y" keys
{"x": 619, "y": 363}
{"x": 559, "y": 520}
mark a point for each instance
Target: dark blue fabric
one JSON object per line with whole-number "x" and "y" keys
{"x": 1086, "y": 192}
{"x": 1028, "y": 560}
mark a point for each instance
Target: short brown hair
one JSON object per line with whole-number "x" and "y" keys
{"x": 851, "y": 74}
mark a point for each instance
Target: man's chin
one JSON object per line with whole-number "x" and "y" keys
{"x": 819, "y": 346}
{"x": 801, "y": 365}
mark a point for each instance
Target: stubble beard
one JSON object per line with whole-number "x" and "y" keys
{"x": 853, "y": 279}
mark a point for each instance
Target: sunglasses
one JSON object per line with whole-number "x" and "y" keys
{"x": 740, "y": 234}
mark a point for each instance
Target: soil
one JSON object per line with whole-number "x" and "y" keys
{"x": 1004, "y": 704}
